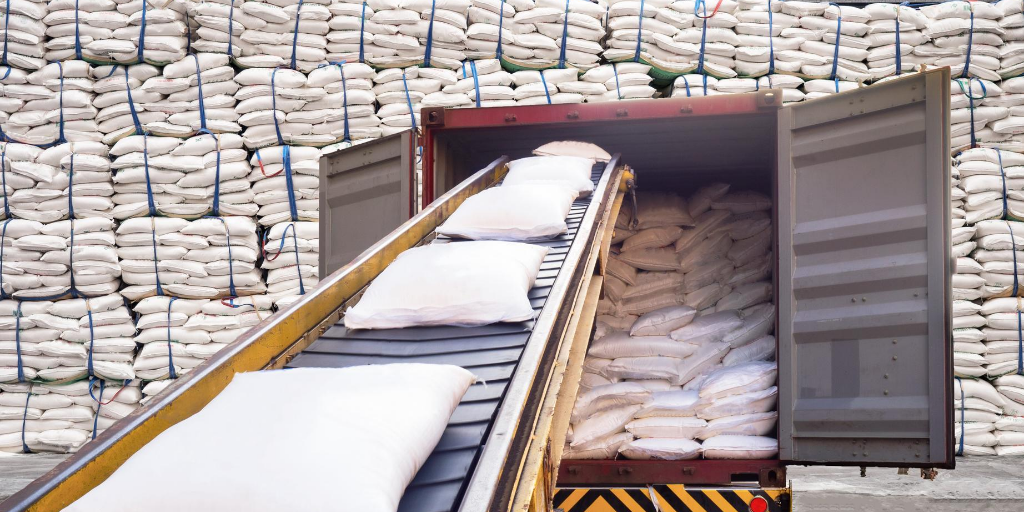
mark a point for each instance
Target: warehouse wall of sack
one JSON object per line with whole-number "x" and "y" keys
{"x": 168, "y": 153}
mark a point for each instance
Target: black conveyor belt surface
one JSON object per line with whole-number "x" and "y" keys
{"x": 491, "y": 352}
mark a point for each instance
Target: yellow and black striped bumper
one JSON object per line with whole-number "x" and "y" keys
{"x": 668, "y": 498}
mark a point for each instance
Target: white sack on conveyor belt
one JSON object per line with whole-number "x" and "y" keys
{"x": 396, "y": 412}
{"x": 573, "y": 171}
{"x": 515, "y": 213}
{"x": 459, "y": 283}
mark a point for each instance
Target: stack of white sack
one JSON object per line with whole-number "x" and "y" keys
{"x": 977, "y": 406}
{"x": 60, "y": 418}
{"x": 548, "y": 87}
{"x": 952, "y": 27}
{"x": 619, "y": 81}
{"x": 644, "y": 30}
{"x": 892, "y": 25}
{"x": 970, "y": 116}
{"x": 18, "y": 172}
{"x": 124, "y": 107}
{"x": 985, "y": 176}
{"x": 284, "y": 33}
{"x": 221, "y": 25}
{"x": 427, "y": 33}
{"x": 24, "y": 34}
{"x": 74, "y": 176}
{"x": 348, "y": 112}
{"x": 1003, "y": 334}
{"x": 690, "y": 86}
{"x": 178, "y": 334}
{"x": 820, "y": 88}
{"x": 140, "y": 32}
{"x": 58, "y": 106}
{"x": 760, "y": 36}
{"x": 188, "y": 111}
{"x": 352, "y": 32}
{"x": 1000, "y": 243}
{"x": 834, "y": 44}
{"x": 212, "y": 257}
{"x": 958, "y": 198}
{"x": 169, "y": 176}
{"x": 701, "y": 309}
{"x": 533, "y": 34}
{"x": 38, "y": 258}
{"x": 703, "y": 85}
{"x": 1011, "y": 54}
{"x": 71, "y": 25}
{"x": 1007, "y": 130}
{"x": 400, "y": 93}
{"x": 481, "y": 83}
{"x": 1009, "y": 431}
{"x": 291, "y": 257}
{"x": 286, "y": 184}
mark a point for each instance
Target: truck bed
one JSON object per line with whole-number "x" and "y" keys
{"x": 491, "y": 352}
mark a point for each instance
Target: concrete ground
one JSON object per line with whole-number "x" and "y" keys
{"x": 979, "y": 484}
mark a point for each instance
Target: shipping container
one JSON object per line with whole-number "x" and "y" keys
{"x": 860, "y": 182}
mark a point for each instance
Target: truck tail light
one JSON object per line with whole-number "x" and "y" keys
{"x": 758, "y": 504}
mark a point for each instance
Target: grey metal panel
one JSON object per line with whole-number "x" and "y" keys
{"x": 365, "y": 193}
{"x": 864, "y": 276}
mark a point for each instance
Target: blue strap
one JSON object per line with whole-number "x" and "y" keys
{"x": 286, "y": 159}
{"x": 7, "y": 21}
{"x": 639, "y": 33}
{"x": 280, "y": 249}
{"x": 231, "y": 17}
{"x": 501, "y": 20}
{"x": 771, "y": 41}
{"x": 615, "y": 70}
{"x": 476, "y": 81}
{"x": 92, "y": 339}
{"x": 687, "y": 85}
{"x": 408, "y": 101}
{"x": 170, "y": 352}
{"x": 131, "y": 102}
{"x": 202, "y": 106}
{"x": 835, "y": 54}
{"x": 704, "y": 80}
{"x": 565, "y": 36}
{"x": 60, "y": 103}
{"x": 113, "y": 69}
{"x": 216, "y": 183}
{"x": 960, "y": 448}
{"x": 344, "y": 100}
{"x": 430, "y": 36}
{"x": 188, "y": 35}
{"x": 899, "y": 47}
{"x": 1013, "y": 243}
{"x": 142, "y": 35}
{"x": 362, "y": 32}
{"x": 156, "y": 260}
{"x": 970, "y": 42}
{"x": 24, "y": 417}
{"x": 1020, "y": 339}
{"x": 1002, "y": 173}
{"x": 17, "y": 341}
{"x": 295, "y": 36}
{"x": 149, "y": 185}
{"x": 99, "y": 406}
{"x": 3, "y": 184}
{"x": 71, "y": 188}
{"x": 970, "y": 98}
{"x": 273, "y": 106}
{"x": 78, "y": 42}
{"x": 545, "y": 82}
{"x": 703, "y": 35}
{"x": 227, "y": 233}
{"x": 3, "y": 234}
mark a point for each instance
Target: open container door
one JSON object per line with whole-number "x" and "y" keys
{"x": 864, "y": 277}
{"x": 366, "y": 191}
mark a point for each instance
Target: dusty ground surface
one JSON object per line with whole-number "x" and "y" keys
{"x": 978, "y": 484}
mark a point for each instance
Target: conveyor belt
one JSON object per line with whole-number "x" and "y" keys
{"x": 491, "y": 352}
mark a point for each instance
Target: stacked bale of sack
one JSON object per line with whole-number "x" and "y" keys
{"x": 682, "y": 364}
{"x": 58, "y": 105}
{"x": 481, "y": 83}
{"x": 400, "y": 93}
{"x": 549, "y": 87}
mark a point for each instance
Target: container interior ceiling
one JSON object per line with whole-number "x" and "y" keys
{"x": 734, "y": 148}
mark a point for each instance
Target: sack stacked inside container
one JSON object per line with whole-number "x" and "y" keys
{"x": 549, "y": 87}
{"x": 178, "y": 334}
{"x": 481, "y": 83}
{"x": 400, "y": 93}
{"x": 24, "y": 34}
{"x": 58, "y": 106}
{"x": 620, "y": 81}
{"x": 293, "y": 34}
{"x": 168, "y": 176}
{"x": 221, "y": 24}
{"x": 141, "y": 32}
{"x": 679, "y": 367}
{"x": 124, "y": 105}
{"x": 207, "y": 258}
{"x": 190, "y": 112}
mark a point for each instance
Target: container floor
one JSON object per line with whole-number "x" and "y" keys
{"x": 978, "y": 484}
